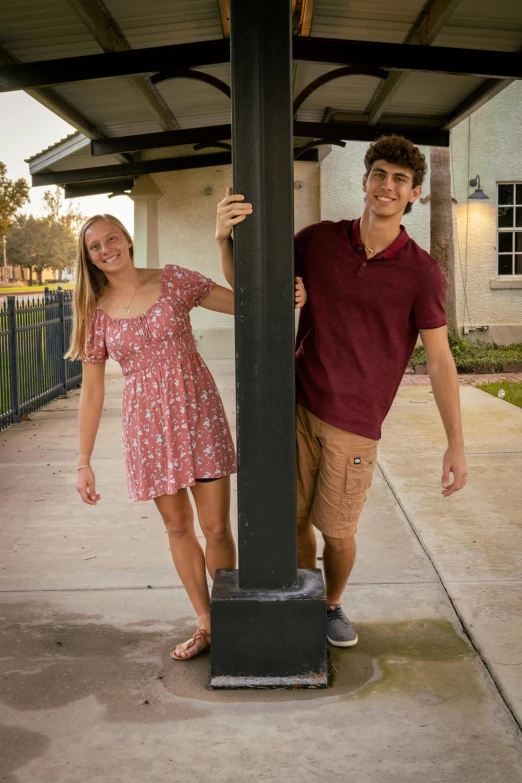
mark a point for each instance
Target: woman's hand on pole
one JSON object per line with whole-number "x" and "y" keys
{"x": 231, "y": 211}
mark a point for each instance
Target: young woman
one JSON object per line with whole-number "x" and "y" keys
{"x": 175, "y": 432}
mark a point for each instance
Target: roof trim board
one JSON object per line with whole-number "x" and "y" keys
{"x": 66, "y": 147}
{"x": 224, "y": 13}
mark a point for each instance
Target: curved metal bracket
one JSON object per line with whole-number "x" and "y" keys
{"x": 311, "y": 144}
{"x": 427, "y": 199}
{"x": 221, "y": 144}
{"x": 347, "y": 70}
{"x": 188, "y": 73}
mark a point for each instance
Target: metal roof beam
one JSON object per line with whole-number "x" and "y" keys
{"x": 116, "y": 186}
{"x": 104, "y": 29}
{"x": 127, "y": 170}
{"x": 149, "y": 141}
{"x": 410, "y": 57}
{"x": 135, "y": 62}
{"x": 352, "y": 131}
{"x": 427, "y": 26}
{"x": 348, "y": 131}
{"x": 400, "y": 57}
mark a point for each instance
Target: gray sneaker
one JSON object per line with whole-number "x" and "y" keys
{"x": 340, "y": 632}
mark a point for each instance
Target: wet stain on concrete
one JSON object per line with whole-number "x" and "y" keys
{"x": 412, "y": 657}
{"x": 51, "y": 659}
{"x": 19, "y": 746}
{"x": 425, "y": 659}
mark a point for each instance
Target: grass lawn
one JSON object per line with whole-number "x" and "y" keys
{"x": 512, "y": 389}
{"x": 33, "y": 289}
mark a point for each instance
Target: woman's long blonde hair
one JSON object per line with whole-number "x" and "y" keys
{"x": 90, "y": 285}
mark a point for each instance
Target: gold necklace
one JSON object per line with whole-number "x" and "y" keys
{"x": 127, "y": 310}
{"x": 370, "y": 251}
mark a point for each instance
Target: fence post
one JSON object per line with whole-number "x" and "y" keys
{"x": 13, "y": 358}
{"x": 61, "y": 343}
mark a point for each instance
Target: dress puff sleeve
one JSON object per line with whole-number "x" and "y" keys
{"x": 96, "y": 347}
{"x": 187, "y": 285}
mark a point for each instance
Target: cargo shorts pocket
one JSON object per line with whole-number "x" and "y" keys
{"x": 359, "y": 475}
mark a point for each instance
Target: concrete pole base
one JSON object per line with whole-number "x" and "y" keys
{"x": 269, "y": 638}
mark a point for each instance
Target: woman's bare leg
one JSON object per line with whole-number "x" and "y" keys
{"x": 213, "y": 506}
{"x": 188, "y": 557}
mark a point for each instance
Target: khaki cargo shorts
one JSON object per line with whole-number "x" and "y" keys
{"x": 334, "y": 472}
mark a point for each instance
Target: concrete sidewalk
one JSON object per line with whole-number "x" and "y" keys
{"x": 91, "y": 606}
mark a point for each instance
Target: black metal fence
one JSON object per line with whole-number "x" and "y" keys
{"x": 34, "y": 335}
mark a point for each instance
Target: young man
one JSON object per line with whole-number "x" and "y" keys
{"x": 371, "y": 291}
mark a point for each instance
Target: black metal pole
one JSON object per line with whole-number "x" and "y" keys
{"x": 262, "y": 139}
{"x": 268, "y": 619}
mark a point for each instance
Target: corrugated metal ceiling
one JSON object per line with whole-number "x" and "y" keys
{"x": 349, "y": 93}
{"x": 365, "y": 20}
{"x": 484, "y": 24}
{"x": 32, "y": 30}
{"x": 196, "y": 104}
{"x": 164, "y": 22}
{"x": 431, "y": 94}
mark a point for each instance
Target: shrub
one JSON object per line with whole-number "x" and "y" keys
{"x": 475, "y": 356}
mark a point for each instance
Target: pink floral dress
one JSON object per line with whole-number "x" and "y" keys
{"x": 174, "y": 426}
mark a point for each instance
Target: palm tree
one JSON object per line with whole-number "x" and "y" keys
{"x": 441, "y": 224}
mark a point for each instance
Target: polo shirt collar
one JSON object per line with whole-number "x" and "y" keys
{"x": 390, "y": 252}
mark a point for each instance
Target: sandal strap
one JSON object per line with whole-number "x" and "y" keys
{"x": 202, "y": 634}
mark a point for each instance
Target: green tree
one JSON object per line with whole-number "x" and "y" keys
{"x": 38, "y": 244}
{"x": 66, "y": 223}
{"x": 13, "y": 195}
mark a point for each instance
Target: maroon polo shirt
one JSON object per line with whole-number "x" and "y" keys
{"x": 360, "y": 324}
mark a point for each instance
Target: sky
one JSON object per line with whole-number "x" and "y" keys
{"x": 27, "y": 128}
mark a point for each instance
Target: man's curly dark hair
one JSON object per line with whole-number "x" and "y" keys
{"x": 397, "y": 149}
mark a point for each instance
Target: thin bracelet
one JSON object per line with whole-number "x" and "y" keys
{"x": 82, "y": 466}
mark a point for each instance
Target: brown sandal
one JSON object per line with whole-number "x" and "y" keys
{"x": 202, "y": 634}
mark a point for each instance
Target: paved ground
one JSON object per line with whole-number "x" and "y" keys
{"x": 90, "y": 606}
{"x": 471, "y": 379}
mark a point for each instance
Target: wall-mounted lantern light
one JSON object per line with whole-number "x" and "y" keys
{"x": 479, "y": 193}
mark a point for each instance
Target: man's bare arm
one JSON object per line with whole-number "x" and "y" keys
{"x": 445, "y": 385}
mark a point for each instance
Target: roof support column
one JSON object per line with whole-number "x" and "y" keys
{"x": 268, "y": 618}
{"x": 146, "y": 195}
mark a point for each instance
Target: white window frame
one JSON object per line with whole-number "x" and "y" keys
{"x": 513, "y": 230}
